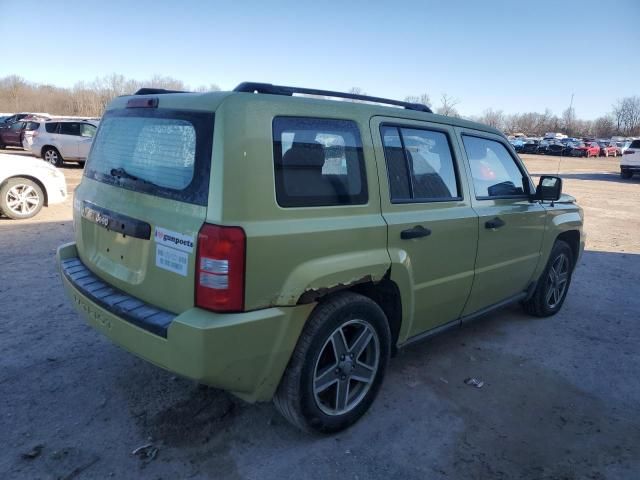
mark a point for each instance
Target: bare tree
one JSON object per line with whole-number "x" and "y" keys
{"x": 626, "y": 112}
{"x": 493, "y": 118}
{"x": 422, "y": 99}
{"x": 447, "y": 106}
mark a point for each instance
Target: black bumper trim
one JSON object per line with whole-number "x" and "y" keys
{"x": 134, "y": 311}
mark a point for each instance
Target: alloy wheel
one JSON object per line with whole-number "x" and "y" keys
{"x": 557, "y": 280}
{"x": 22, "y": 199}
{"x": 51, "y": 156}
{"x": 346, "y": 367}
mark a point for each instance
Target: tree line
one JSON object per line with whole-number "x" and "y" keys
{"x": 90, "y": 99}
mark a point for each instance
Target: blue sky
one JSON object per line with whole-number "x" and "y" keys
{"x": 514, "y": 56}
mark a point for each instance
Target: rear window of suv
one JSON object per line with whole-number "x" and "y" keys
{"x": 160, "y": 152}
{"x": 635, "y": 144}
{"x": 318, "y": 162}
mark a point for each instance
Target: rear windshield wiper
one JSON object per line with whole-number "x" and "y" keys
{"x": 122, "y": 173}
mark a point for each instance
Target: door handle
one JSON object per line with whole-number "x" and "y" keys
{"x": 416, "y": 232}
{"x": 495, "y": 223}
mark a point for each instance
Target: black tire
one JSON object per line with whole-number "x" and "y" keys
{"x": 81, "y": 163}
{"x": 295, "y": 398}
{"x": 539, "y": 304}
{"x": 52, "y": 155}
{"x": 626, "y": 174}
{"x": 22, "y": 210}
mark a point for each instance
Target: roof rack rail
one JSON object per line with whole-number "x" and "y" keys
{"x": 156, "y": 91}
{"x": 255, "y": 87}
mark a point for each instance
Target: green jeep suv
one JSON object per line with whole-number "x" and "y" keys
{"x": 283, "y": 247}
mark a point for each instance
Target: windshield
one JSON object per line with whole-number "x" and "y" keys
{"x": 161, "y": 152}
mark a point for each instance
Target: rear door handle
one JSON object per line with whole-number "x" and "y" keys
{"x": 495, "y": 223}
{"x": 416, "y": 232}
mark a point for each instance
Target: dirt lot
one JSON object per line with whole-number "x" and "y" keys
{"x": 561, "y": 398}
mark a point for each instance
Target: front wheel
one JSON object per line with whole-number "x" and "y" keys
{"x": 338, "y": 365}
{"x": 21, "y": 198}
{"x": 554, "y": 282}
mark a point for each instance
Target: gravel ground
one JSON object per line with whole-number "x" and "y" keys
{"x": 561, "y": 398}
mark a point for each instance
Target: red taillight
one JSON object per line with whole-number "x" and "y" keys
{"x": 629, "y": 152}
{"x": 220, "y": 268}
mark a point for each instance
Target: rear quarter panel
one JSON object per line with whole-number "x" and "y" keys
{"x": 290, "y": 251}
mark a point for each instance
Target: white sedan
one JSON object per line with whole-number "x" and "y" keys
{"x": 27, "y": 184}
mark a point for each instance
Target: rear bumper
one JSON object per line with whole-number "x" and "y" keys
{"x": 244, "y": 353}
{"x": 630, "y": 168}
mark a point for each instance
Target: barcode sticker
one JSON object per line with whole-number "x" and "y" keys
{"x": 171, "y": 259}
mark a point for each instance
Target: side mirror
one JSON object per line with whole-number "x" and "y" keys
{"x": 549, "y": 188}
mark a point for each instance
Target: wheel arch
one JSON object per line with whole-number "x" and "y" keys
{"x": 385, "y": 293}
{"x": 572, "y": 238}
{"x": 35, "y": 180}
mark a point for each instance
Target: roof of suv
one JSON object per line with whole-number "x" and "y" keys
{"x": 285, "y": 94}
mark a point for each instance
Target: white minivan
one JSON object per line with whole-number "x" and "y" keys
{"x": 58, "y": 141}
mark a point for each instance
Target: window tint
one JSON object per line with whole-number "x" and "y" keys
{"x": 419, "y": 164}
{"x": 16, "y": 125}
{"x": 318, "y": 162}
{"x": 70, "y": 128}
{"x": 494, "y": 171}
{"x": 635, "y": 144}
{"x": 51, "y": 127}
{"x": 87, "y": 130}
{"x": 31, "y": 126}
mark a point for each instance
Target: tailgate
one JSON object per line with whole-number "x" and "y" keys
{"x": 142, "y": 201}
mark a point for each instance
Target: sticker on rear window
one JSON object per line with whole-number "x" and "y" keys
{"x": 171, "y": 259}
{"x": 174, "y": 239}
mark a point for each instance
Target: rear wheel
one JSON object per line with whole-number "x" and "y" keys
{"x": 52, "y": 156}
{"x": 626, "y": 174}
{"x": 21, "y": 198}
{"x": 554, "y": 282}
{"x": 338, "y": 365}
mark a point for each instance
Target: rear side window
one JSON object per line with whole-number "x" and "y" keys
{"x": 161, "y": 152}
{"x": 70, "y": 128}
{"x": 318, "y": 162}
{"x": 635, "y": 144}
{"x": 30, "y": 126}
{"x": 420, "y": 165}
{"x": 51, "y": 127}
{"x": 494, "y": 170}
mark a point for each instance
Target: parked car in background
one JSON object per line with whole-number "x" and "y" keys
{"x": 542, "y": 147}
{"x": 27, "y": 184}
{"x": 530, "y": 146}
{"x": 558, "y": 148}
{"x": 11, "y": 134}
{"x": 623, "y": 146}
{"x": 29, "y": 131}
{"x": 581, "y": 149}
{"x": 517, "y": 143}
{"x": 57, "y": 141}
{"x": 20, "y": 116}
{"x": 608, "y": 149}
{"x": 630, "y": 160}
